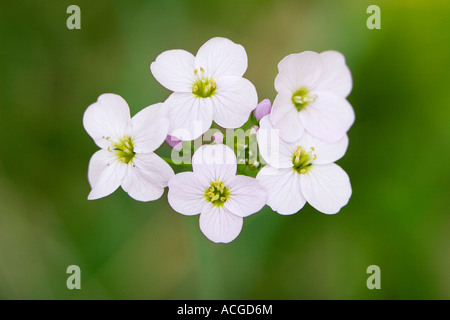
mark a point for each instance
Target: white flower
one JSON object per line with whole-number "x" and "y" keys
{"x": 312, "y": 89}
{"x": 126, "y": 158}
{"x": 302, "y": 171}
{"x": 215, "y": 191}
{"x": 206, "y": 87}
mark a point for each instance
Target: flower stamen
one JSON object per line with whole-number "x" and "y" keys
{"x": 203, "y": 86}
{"x": 123, "y": 148}
{"x": 217, "y": 194}
{"x": 301, "y": 98}
{"x": 301, "y": 160}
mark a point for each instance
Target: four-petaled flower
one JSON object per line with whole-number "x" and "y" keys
{"x": 126, "y": 158}
{"x": 206, "y": 87}
{"x": 299, "y": 137}
{"x": 302, "y": 171}
{"x": 214, "y": 190}
{"x": 312, "y": 89}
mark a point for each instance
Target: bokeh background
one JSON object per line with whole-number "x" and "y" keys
{"x": 398, "y": 159}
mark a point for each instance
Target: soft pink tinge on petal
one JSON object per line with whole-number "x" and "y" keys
{"x": 189, "y": 115}
{"x": 247, "y": 196}
{"x": 215, "y": 162}
{"x": 149, "y": 128}
{"x": 326, "y": 187}
{"x": 221, "y": 57}
{"x": 107, "y": 118}
{"x": 187, "y": 193}
{"x": 234, "y": 101}
{"x": 220, "y": 225}
{"x": 174, "y": 69}
{"x": 329, "y": 117}
{"x": 283, "y": 189}
{"x": 108, "y": 178}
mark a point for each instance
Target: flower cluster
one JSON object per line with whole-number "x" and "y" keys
{"x": 281, "y": 155}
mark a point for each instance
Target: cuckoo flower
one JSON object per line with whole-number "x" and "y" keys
{"x": 214, "y": 190}
{"x": 206, "y": 87}
{"x": 126, "y": 157}
{"x": 312, "y": 89}
{"x": 302, "y": 171}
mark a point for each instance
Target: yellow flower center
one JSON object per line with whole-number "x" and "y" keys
{"x": 217, "y": 193}
{"x": 203, "y": 86}
{"x": 301, "y": 98}
{"x": 302, "y": 160}
{"x": 123, "y": 149}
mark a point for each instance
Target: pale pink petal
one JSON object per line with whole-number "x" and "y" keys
{"x": 189, "y": 115}
{"x": 108, "y": 117}
{"x": 283, "y": 189}
{"x": 220, "y": 225}
{"x": 336, "y": 76}
{"x": 221, "y": 57}
{"x": 234, "y": 101}
{"x": 105, "y": 174}
{"x": 285, "y": 117}
{"x": 187, "y": 193}
{"x": 274, "y": 150}
{"x": 325, "y": 152}
{"x": 298, "y": 70}
{"x": 247, "y": 196}
{"x": 326, "y": 187}
{"x": 174, "y": 69}
{"x": 329, "y": 117}
{"x": 149, "y": 129}
{"x": 215, "y": 162}
{"x": 147, "y": 177}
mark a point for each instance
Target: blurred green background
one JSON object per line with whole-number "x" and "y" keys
{"x": 398, "y": 159}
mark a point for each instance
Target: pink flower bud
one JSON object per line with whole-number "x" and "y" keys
{"x": 263, "y": 108}
{"x": 174, "y": 143}
{"x": 217, "y": 137}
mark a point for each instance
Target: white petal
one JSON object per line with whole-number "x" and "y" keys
{"x": 274, "y": 150}
{"x": 105, "y": 174}
{"x": 325, "y": 152}
{"x": 98, "y": 162}
{"x": 234, "y": 101}
{"x": 146, "y": 180}
{"x": 221, "y": 57}
{"x": 336, "y": 76}
{"x": 108, "y": 117}
{"x": 298, "y": 70}
{"x": 247, "y": 196}
{"x": 187, "y": 193}
{"x": 283, "y": 189}
{"x": 220, "y": 225}
{"x": 149, "y": 129}
{"x": 329, "y": 117}
{"x": 286, "y": 117}
{"x": 326, "y": 187}
{"x": 215, "y": 162}
{"x": 189, "y": 116}
{"x": 174, "y": 69}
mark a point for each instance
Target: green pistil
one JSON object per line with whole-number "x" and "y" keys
{"x": 124, "y": 149}
{"x": 217, "y": 194}
{"x": 203, "y": 87}
{"x": 302, "y": 161}
{"x": 301, "y": 98}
